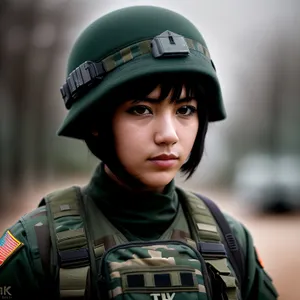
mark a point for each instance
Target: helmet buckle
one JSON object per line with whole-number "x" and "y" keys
{"x": 169, "y": 44}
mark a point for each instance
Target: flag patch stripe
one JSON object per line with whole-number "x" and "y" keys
{"x": 8, "y": 245}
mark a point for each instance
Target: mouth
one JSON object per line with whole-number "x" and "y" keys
{"x": 165, "y": 161}
{"x": 165, "y": 157}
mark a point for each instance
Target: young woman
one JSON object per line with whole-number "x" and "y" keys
{"x": 141, "y": 90}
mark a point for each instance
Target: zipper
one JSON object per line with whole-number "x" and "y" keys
{"x": 104, "y": 275}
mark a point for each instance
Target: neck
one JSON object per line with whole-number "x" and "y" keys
{"x": 132, "y": 212}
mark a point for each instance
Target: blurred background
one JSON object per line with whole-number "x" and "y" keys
{"x": 251, "y": 165}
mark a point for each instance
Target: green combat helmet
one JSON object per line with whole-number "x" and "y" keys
{"x": 129, "y": 44}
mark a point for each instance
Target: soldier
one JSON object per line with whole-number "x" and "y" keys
{"x": 141, "y": 90}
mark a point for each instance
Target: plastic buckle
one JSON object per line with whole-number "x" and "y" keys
{"x": 214, "y": 250}
{"x": 74, "y": 258}
{"x": 169, "y": 44}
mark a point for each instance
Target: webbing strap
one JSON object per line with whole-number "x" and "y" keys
{"x": 126, "y": 54}
{"x": 37, "y": 232}
{"x": 210, "y": 244}
{"x": 222, "y": 271}
{"x": 72, "y": 254}
{"x": 73, "y": 285}
{"x": 90, "y": 72}
{"x": 103, "y": 244}
{"x": 233, "y": 248}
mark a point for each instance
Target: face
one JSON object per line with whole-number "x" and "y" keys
{"x": 154, "y": 138}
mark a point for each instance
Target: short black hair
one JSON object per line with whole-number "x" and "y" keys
{"x": 102, "y": 146}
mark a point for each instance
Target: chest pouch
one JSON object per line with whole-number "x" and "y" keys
{"x": 159, "y": 270}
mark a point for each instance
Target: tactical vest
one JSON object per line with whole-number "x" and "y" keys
{"x": 190, "y": 261}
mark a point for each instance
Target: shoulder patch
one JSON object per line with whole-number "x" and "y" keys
{"x": 258, "y": 258}
{"x": 8, "y": 246}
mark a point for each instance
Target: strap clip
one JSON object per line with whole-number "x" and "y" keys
{"x": 212, "y": 250}
{"x": 169, "y": 44}
{"x": 79, "y": 80}
{"x": 74, "y": 258}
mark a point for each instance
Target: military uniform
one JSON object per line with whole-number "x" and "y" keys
{"x": 27, "y": 271}
{"x": 104, "y": 242}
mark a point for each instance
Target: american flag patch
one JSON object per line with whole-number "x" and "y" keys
{"x": 8, "y": 245}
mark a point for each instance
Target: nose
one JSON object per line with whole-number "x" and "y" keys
{"x": 165, "y": 132}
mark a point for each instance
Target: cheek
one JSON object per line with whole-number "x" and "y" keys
{"x": 128, "y": 141}
{"x": 188, "y": 135}
{"x": 121, "y": 135}
{"x": 195, "y": 131}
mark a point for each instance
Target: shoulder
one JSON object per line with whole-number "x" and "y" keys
{"x": 25, "y": 246}
{"x": 259, "y": 283}
{"x": 37, "y": 222}
{"x": 240, "y": 232}
{"x": 18, "y": 250}
{"x": 22, "y": 233}
{"x": 23, "y": 236}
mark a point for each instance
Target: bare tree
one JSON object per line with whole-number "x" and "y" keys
{"x": 29, "y": 42}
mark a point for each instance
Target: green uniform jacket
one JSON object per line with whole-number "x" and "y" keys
{"x": 21, "y": 275}
{"x": 24, "y": 271}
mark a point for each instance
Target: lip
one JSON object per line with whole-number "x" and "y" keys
{"x": 164, "y": 161}
{"x": 165, "y": 156}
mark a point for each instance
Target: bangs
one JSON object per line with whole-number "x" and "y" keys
{"x": 169, "y": 85}
{"x": 137, "y": 91}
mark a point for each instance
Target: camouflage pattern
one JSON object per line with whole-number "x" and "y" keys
{"x": 121, "y": 57}
{"x": 81, "y": 76}
{"x": 121, "y": 42}
{"x": 25, "y": 273}
{"x": 169, "y": 260}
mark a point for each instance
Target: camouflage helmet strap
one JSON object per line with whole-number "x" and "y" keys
{"x": 90, "y": 73}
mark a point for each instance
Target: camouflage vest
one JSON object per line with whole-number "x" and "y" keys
{"x": 93, "y": 260}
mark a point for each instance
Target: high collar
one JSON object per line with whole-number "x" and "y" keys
{"x": 138, "y": 215}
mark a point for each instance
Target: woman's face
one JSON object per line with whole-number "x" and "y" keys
{"x": 154, "y": 138}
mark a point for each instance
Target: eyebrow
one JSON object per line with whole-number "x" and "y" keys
{"x": 155, "y": 100}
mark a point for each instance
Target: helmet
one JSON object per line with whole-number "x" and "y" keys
{"x": 129, "y": 44}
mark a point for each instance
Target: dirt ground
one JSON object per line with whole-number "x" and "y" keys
{"x": 276, "y": 236}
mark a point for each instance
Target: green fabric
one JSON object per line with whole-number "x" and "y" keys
{"x": 125, "y": 27}
{"x": 18, "y": 274}
{"x": 23, "y": 275}
{"x": 171, "y": 260}
{"x": 126, "y": 54}
{"x": 139, "y": 216}
{"x": 259, "y": 283}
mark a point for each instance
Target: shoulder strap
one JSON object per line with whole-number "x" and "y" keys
{"x": 37, "y": 232}
{"x": 209, "y": 242}
{"x": 233, "y": 249}
{"x": 73, "y": 246}
{"x": 72, "y": 253}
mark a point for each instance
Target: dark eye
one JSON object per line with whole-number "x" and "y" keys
{"x": 139, "y": 110}
{"x": 186, "y": 110}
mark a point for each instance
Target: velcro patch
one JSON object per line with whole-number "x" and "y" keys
{"x": 8, "y": 246}
{"x": 258, "y": 258}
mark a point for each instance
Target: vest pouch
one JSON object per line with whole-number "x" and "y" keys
{"x": 159, "y": 270}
